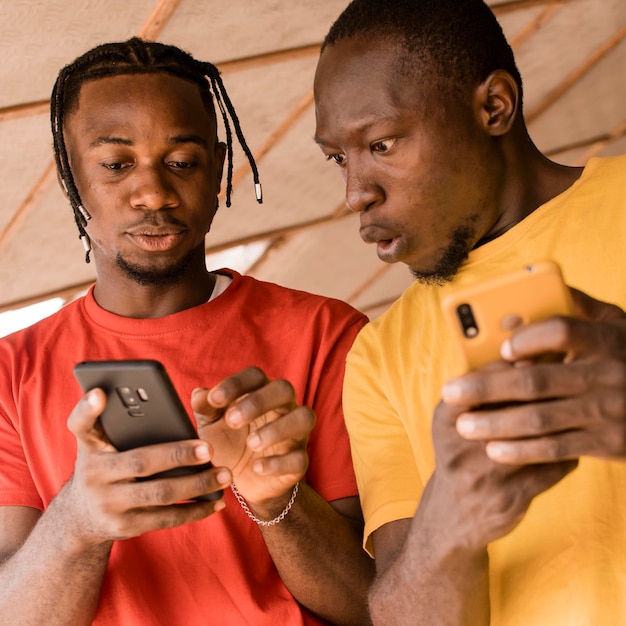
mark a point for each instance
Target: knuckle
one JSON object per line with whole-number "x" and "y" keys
{"x": 136, "y": 464}
{"x": 552, "y": 448}
{"x": 537, "y": 419}
{"x": 532, "y": 382}
{"x": 284, "y": 388}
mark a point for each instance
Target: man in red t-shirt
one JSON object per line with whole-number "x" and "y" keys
{"x": 260, "y": 366}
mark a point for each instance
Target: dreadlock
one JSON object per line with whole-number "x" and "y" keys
{"x": 137, "y": 56}
{"x": 460, "y": 40}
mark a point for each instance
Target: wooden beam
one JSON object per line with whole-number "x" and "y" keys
{"x": 618, "y": 132}
{"x": 517, "y": 5}
{"x": 575, "y": 76}
{"x": 157, "y": 20}
{"x": 597, "y": 147}
{"x": 534, "y": 25}
{"x": 269, "y": 58}
{"x": 28, "y": 109}
{"x": 28, "y": 206}
{"x": 273, "y": 138}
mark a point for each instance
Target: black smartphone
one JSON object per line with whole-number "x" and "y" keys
{"x": 143, "y": 408}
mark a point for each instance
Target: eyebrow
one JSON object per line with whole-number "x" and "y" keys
{"x": 174, "y": 140}
{"x": 361, "y": 128}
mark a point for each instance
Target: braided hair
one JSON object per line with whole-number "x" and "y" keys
{"x": 137, "y": 56}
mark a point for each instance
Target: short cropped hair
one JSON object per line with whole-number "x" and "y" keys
{"x": 459, "y": 42}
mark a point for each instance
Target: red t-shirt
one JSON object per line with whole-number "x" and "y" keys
{"x": 218, "y": 570}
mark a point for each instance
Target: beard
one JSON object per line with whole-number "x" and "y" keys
{"x": 451, "y": 258}
{"x": 155, "y": 276}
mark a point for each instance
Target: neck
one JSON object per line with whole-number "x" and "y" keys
{"x": 530, "y": 180}
{"x": 130, "y": 299}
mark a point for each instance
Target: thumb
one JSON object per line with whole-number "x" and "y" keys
{"x": 83, "y": 420}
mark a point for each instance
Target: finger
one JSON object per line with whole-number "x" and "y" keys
{"x": 149, "y": 460}
{"x": 165, "y": 491}
{"x": 284, "y": 434}
{"x": 560, "y": 447}
{"x": 288, "y": 468}
{"x": 83, "y": 420}
{"x": 277, "y": 395}
{"x": 139, "y": 520}
{"x": 204, "y": 411}
{"x": 521, "y": 420}
{"x": 235, "y": 386}
{"x": 534, "y": 382}
{"x": 600, "y": 411}
{"x": 567, "y": 336}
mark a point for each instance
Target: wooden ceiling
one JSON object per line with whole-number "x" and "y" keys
{"x": 572, "y": 55}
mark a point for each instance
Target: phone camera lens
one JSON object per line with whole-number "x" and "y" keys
{"x": 466, "y": 318}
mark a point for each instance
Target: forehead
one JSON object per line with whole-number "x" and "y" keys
{"x": 116, "y": 101}
{"x": 359, "y": 78}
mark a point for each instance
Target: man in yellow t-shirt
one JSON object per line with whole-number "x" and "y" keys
{"x": 496, "y": 496}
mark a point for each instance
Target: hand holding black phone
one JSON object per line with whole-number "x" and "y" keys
{"x": 143, "y": 408}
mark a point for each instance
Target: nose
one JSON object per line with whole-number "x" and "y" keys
{"x": 361, "y": 192}
{"x": 151, "y": 189}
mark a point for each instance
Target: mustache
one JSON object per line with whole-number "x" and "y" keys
{"x": 156, "y": 219}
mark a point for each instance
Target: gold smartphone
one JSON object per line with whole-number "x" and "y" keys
{"x": 483, "y": 315}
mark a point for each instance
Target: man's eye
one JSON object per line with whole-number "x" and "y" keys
{"x": 383, "y": 146}
{"x": 113, "y": 166}
{"x": 181, "y": 165}
{"x": 338, "y": 158}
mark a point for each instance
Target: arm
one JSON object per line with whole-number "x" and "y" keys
{"x": 435, "y": 565}
{"x": 317, "y": 546}
{"x": 46, "y": 578}
{"x": 53, "y": 562}
{"x": 433, "y": 568}
{"x": 317, "y": 551}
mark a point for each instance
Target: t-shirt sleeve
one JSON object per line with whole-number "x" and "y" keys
{"x": 330, "y": 470}
{"x": 387, "y": 476}
{"x": 16, "y": 483}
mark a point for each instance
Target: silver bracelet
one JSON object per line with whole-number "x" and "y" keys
{"x": 260, "y": 522}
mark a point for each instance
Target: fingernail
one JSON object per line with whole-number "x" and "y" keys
{"x": 465, "y": 426}
{"x": 217, "y": 396}
{"x": 219, "y": 505}
{"x": 506, "y": 350}
{"x": 234, "y": 417}
{"x": 498, "y": 450}
{"x": 254, "y": 441}
{"x": 202, "y": 451}
{"x": 452, "y": 391}
{"x": 224, "y": 477}
{"x": 92, "y": 398}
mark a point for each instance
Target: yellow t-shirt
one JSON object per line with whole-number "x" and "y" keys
{"x": 565, "y": 564}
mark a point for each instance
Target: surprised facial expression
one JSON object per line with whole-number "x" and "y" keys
{"x": 414, "y": 159}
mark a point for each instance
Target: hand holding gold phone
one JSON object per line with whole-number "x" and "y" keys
{"x": 483, "y": 315}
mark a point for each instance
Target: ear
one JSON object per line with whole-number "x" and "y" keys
{"x": 497, "y": 103}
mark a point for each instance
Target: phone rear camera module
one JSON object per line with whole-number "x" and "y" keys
{"x": 129, "y": 398}
{"x": 466, "y": 319}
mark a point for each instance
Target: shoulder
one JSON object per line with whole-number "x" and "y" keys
{"x": 36, "y": 335}
{"x": 293, "y": 301}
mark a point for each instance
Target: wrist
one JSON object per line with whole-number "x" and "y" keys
{"x": 273, "y": 512}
